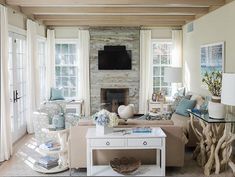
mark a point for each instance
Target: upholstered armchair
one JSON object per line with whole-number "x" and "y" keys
{"x": 43, "y": 119}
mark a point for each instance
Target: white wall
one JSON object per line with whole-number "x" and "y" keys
{"x": 216, "y": 26}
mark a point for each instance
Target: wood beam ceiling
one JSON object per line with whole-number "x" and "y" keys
{"x": 115, "y": 2}
{"x": 3, "y": 2}
{"x": 115, "y": 12}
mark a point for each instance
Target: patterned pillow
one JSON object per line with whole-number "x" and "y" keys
{"x": 177, "y": 101}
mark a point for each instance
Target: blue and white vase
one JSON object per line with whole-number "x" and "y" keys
{"x": 58, "y": 122}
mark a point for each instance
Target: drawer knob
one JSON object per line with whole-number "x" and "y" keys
{"x": 145, "y": 143}
{"x": 107, "y": 143}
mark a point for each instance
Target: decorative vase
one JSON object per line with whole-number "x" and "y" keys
{"x": 126, "y": 112}
{"x": 103, "y": 130}
{"x": 216, "y": 110}
{"x": 58, "y": 122}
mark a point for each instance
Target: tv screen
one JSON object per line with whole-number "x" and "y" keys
{"x": 114, "y": 59}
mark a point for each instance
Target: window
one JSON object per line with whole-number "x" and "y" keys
{"x": 162, "y": 56}
{"x": 42, "y": 69}
{"x": 66, "y": 68}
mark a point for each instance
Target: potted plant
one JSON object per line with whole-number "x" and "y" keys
{"x": 213, "y": 81}
{"x": 105, "y": 121}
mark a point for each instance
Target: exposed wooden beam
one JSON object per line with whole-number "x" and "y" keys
{"x": 116, "y": 2}
{"x": 114, "y": 23}
{"x": 3, "y": 2}
{"x": 124, "y": 18}
{"x": 115, "y": 10}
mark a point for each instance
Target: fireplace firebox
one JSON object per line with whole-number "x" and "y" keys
{"x": 112, "y": 98}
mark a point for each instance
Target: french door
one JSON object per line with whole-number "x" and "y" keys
{"x": 17, "y": 75}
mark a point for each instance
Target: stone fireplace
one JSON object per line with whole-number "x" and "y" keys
{"x": 112, "y": 98}
{"x": 114, "y": 79}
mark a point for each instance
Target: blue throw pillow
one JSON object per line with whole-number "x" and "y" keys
{"x": 184, "y": 105}
{"x": 56, "y": 94}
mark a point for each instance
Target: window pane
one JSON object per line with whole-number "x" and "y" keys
{"x": 166, "y": 90}
{"x": 65, "y": 71}
{"x": 72, "y": 48}
{"x": 58, "y": 82}
{"x": 64, "y": 81}
{"x": 162, "y": 51}
{"x": 156, "y": 81}
{"x": 58, "y": 71}
{"x": 156, "y": 60}
{"x": 67, "y": 68}
{"x": 57, "y": 49}
{"x": 164, "y": 83}
{"x": 156, "y": 71}
{"x": 73, "y": 92}
{"x": 66, "y": 92}
{"x": 65, "y": 49}
{"x": 156, "y": 89}
{"x": 72, "y": 59}
{"x": 165, "y": 60}
{"x": 58, "y": 59}
{"x": 72, "y": 82}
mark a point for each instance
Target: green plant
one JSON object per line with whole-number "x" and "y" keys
{"x": 213, "y": 81}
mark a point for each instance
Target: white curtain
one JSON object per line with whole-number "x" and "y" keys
{"x": 83, "y": 52}
{"x": 50, "y": 62}
{"x": 5, "y": 121}
{"x": 177, "y": 61}
{"x": 146, "y": 82}
{"x": 177, "y": 48}
{"x": 33, "y": 83}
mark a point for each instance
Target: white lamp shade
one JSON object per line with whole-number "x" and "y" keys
{"x": 228, "y": 89}
{"x": 173, "y": 75}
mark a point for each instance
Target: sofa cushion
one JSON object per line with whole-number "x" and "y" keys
{"x": 181, "y": 121}
{"x": 149, "y": 122}
{"x": 184, "y": 105}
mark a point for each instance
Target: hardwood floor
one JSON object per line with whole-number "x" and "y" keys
{"x": 26, "y": 153}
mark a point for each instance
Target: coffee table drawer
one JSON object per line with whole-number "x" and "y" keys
{"x": 108, "y": 142}
{"x": 150, "y": 142}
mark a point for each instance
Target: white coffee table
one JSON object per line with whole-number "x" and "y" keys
{"x": 117, "y": 140}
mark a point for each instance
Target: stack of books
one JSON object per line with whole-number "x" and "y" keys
{"x": 142, "y": 130}
{"x": 48, "y": 162}
{"x": 50, "y": 146}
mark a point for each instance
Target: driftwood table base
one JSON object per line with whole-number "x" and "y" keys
{"x": 215, "y": 146}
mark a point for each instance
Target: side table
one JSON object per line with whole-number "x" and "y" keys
{"x": 63, "y": 152}
{"x": 215, "y": 147}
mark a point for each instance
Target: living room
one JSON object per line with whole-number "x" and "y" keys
{"x": 110, "y": 88}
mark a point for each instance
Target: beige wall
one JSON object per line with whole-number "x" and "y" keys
{"x": 66, "y": 32}
{"x": 216, "y": 26}
{"x": 161, "y": 33}
{"x": 18, "y": 20}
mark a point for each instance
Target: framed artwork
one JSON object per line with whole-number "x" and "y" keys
{"x": 212, "y": 58}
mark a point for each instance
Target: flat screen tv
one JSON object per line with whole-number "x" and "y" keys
{"x": 114, "y": 58}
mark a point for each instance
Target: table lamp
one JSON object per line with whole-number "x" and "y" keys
{"x": 228, "y": 89}
{"x": 173, "y": 75}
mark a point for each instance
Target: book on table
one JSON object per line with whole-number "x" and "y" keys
{"x": 48, "y": 162}
{"x": 50, "y": 146}
{"x": 142, "y": 130}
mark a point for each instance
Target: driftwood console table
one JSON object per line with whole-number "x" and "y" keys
{"x": 214, "y": 150}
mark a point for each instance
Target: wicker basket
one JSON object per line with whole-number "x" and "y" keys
{"x": 124, "y": 165}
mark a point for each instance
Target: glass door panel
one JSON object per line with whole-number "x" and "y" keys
{"x": 17, "y": 62}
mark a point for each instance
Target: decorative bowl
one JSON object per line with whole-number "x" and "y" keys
{"x": 124, "y": 165}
